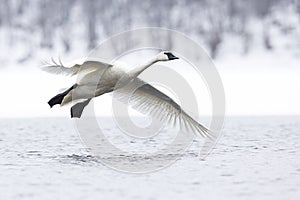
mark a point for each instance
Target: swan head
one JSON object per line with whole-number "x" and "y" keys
{"x": 165, "y": 56}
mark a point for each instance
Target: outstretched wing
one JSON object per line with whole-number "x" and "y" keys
{"x": 149, "y": 101}
{"x": 57, "y": 67}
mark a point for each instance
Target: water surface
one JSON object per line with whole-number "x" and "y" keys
{"x": 256, "y": 158}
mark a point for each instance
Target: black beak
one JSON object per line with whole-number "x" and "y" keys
{"x": 171, "y": 56}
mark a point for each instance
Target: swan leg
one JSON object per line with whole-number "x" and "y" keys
{"x": 77, "y": 109}
{"x": 59, "y": 98}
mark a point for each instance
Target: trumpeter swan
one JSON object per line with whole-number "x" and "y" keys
{"x": 146, "y": 99}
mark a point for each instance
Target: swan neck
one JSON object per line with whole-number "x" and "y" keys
{"x": 142, "y": 68}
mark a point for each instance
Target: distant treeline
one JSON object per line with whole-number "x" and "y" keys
{"x": 93, "y": 20}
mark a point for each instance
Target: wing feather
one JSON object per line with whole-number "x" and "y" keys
{"x": 150, "y": 101}
{"x": 57, "y": 67}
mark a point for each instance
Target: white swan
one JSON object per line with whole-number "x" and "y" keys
{"x": 146, "y": 99}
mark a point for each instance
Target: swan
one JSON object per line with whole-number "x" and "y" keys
{"x": 146, "y": 99}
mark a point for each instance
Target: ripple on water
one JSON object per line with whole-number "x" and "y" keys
{"x": 256, "y": 156}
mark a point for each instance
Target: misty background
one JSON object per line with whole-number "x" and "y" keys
{"x": 254, "y": 43}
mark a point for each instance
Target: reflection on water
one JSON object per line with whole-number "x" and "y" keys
{"x": 257, "y": 157}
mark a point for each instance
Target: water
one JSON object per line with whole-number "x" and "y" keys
{"x": 257, "y": 158}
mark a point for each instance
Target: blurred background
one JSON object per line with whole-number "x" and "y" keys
{"x": 254, "y": 43}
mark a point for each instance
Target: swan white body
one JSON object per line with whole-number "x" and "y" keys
{"x": 96, "y": 78}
